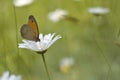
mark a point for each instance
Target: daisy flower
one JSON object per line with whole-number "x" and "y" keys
{"x": 98, "y": 10}
{"x": 6, "y": 76}
{"x": 57, "y": 15}
{"x": 66, "y": 64}
{"x": 40, "y": 46}
{"x": 20, "y": 3}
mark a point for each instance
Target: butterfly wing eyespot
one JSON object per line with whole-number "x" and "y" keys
{"x": 30, "y": 31}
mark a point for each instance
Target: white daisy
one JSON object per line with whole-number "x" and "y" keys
{"x": 20, "y": 3}
{"x": 42, "y": 45}
{"x": 98, "y": 10}
{"x": 6, "y": 76}
{"x": 57, "y": 15}
{"x": 66, "y": 64}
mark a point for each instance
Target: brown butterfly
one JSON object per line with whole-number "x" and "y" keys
{"x": 30, "y": 30}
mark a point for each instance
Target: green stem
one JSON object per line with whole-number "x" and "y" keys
{"x": 45, "y": 66}
{"x": 15, "y": 18}
{"x": 108, "y": 63}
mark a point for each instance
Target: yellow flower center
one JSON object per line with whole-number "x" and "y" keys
{"x": 66, "y": 68}
{"x": 40, "y": 46}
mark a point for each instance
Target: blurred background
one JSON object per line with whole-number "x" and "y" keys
{"x": 90, "y": 39}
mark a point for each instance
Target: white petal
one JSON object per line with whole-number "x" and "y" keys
{"x": 42, "y": 46}
{"x": 98, "y": 10}
{"x": 68, "y": 61}
{"x": 12, "y": 77}
{"x": 53, "y": 18}
{"x": 46, "y": 37}
{"x": 19, "y": 77}
{"x": 5, "y": 76}
{"x": 24, "y": 40}
{"x": 20, "y": 3}
{"x": 52, "y": 36}
{"x": 41, "y": 36}
{"x": 29, "y": 45}
{"x": 22, "y": 45}
{"x": 55, "y": 39}
{"x": 57, "y": 15}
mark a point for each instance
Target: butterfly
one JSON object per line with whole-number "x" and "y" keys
{"x": 30, "y": 30}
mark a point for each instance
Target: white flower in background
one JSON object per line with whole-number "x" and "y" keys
{"x": 6, "y": 76}
{"x": 20, "y": 3}
{"x": 42, "y": 45}
{"x": 57, "y": 15}
{"x": 66, "y": 64}
{"x": 98, "y": 10}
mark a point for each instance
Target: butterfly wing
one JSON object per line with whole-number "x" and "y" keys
{"x": 28, "y": 33}
{"x": 33, "y": 24}
{"x": 30, "y": 30}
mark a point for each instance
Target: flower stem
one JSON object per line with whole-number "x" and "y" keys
{"x": 45, "y": 66}
{"x": 108, "y": 63}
